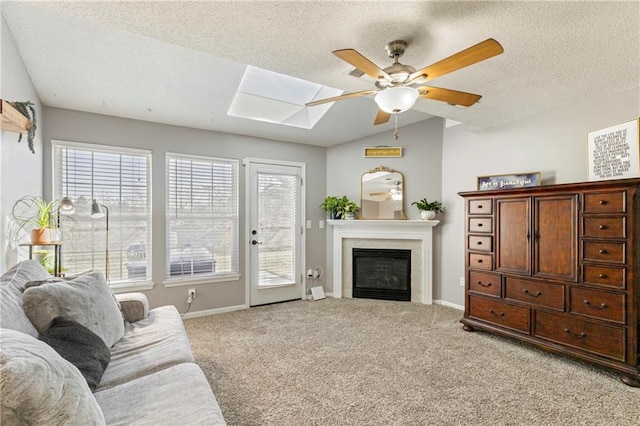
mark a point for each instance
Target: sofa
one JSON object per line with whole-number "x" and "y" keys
{"x": 73, "y": 353}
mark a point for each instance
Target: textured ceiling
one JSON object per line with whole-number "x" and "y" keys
{"x": 181, "y": 62}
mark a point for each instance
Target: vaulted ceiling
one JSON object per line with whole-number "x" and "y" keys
{"x": 181, "y": 63}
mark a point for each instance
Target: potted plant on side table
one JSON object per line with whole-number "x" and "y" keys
{"x": 34, "y": 214}
{"x": 428, "y": 209}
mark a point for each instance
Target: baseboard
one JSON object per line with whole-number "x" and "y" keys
{"x": 448, "y": 304}
{"x": 216, "y": 311}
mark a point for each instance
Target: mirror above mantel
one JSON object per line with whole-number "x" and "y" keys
{"x": 382, "y": 194}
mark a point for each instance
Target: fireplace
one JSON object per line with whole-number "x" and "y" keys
{"x": 382, "y": 274}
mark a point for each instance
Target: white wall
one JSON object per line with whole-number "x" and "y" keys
{"x": 67, "y": 125}
{"x": 20, "y": 170}
{"x": 553, "y": 143}
{"x": 421, "y": 165}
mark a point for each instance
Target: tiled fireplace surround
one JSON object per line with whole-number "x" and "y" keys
{"x": 414, "y": 235}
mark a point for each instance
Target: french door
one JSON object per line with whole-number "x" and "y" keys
{"x": 275, "y": 232}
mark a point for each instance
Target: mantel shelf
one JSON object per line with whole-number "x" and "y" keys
{"x": 12, "y": 119}
{"x": 383, "y": 223}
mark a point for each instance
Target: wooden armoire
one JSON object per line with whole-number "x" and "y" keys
{"x": 557, "y": 266}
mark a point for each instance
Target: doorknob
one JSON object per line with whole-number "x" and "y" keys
{"x": 254, "y": 242}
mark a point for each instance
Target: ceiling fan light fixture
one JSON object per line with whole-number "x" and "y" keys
{"x": 396, "y": 99}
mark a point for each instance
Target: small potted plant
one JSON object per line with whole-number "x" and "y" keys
{"x": 428, "y": 209}
{"x": 330, "y": 206}
{"x": 34, "y": 214}
{"x": 347, "y": 208}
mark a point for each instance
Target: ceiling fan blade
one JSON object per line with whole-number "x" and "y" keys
{"x": 449, "y": 96}
{"x": 381, "y": 118}
{"x": 474, "y": 54}
{"x": 373, "y": 194}
{"x": 341, "y": 97}
{"x": 363, "y": 64}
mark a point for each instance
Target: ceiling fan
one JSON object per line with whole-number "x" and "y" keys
{"x": 399, "y": 85}
{"x": 394, "y": 193}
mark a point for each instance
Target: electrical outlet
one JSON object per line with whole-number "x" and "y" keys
{"x": 191, "y": 294}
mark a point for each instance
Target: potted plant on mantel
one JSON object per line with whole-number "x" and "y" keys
{"x": 330, "y": 207}
{"x": 428, "y": 209}
{"x": 34, "y": 214}
{"x": 347, "y": 208}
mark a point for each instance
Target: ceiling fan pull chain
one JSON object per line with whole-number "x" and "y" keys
{"x": 395, "y": 134}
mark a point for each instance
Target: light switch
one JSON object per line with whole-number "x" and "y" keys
{"x": 321, "y": 224}
{"x": 309, "y": 224}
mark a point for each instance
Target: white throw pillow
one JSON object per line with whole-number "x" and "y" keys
{"x": 86, "y": 299}
{"x": 39, "y": 387}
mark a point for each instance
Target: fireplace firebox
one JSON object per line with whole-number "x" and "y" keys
{"x": 382, "y": 274}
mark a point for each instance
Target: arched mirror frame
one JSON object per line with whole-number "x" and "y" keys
{"x": 393, "y": 209}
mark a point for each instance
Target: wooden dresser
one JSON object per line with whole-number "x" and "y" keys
{"x": 556, "y": 266}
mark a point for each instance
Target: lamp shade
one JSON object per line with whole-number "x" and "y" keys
{"x": 96, "y": 210}
{"x": 396, "y": 99}
{"x": 66, "y": 206}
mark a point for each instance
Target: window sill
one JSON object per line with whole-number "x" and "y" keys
{"x": 127, "y": 287}
{"x": 179, "y": 282}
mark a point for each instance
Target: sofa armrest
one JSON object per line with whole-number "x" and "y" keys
{"x": 135, "y": 306}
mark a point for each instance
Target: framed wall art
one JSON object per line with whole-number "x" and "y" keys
{"x": 519, "y": 180}
{"x": 614, "y": 152}
{"x": 383, "y": 151}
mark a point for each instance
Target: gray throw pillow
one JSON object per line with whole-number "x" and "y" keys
{"x": 38, "y": 387}
{"x": 80, "y": 346}
{"x": 86, "y": 299}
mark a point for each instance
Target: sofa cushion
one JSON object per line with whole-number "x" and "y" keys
{"x": 179, "y": 395}
{"x": 12, "y": 285}
{"x": 151, "y": 344}
{"x": 80, "y": 346}
{"x": 38, "y": 387}
{"x": 86, "y": 299}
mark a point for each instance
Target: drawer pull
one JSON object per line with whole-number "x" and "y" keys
{"x": 481, "y": 284}
{"x": 494, "y": 313}
{"x": 480, "y": 225}
{"x": 479, "y": 206}
{"x": 602, "y": 226}
{"x": 579, "y": 336}
{"x": 602, "y": 275}
{"x": 479, "y": 243}
{"x": 602, "y": 251}
{"x": 603, "y": 202}
{"x": 602, "y": 305}
{"x": 479, "y": 260}
{"x": 536, "y": 294}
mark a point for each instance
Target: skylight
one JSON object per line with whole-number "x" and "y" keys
{"x": 277, "y": 98}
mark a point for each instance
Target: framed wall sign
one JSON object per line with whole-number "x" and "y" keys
{"x": 613, "y": 153}
{"x": 520, "y": 180}
{"x": 382, "y": 151}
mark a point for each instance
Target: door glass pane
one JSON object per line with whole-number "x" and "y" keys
{"x": 277, "y": 195}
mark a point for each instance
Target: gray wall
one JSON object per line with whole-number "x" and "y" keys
{"x": 554, "y": 144}
{"x": 77, "y": 126}
{"x": 20, "y": 170}
{"x": 421, "y": 165}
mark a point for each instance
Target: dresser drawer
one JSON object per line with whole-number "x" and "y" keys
{"x": 481, "y": 224}
{"x": 600, "y": 339}
{"x": 605, "y": 202}
{"x": 604, "y": 275}
{"x": 480, "y": 206}
{"x": 500, "y": 313}
{"x": 480, "y": 242}
{"x": 481, "y": 261}
{"x": 546, "y": 294}
{"x": 604, "y": 252}
{"x": 604, "y": 227}
{"x": 597, "y": 304}
{"x": 483, "y": 282}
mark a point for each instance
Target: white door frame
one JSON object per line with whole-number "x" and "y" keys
{"x": 247, "y": 221}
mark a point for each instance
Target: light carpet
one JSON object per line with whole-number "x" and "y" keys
{"x": 372, "y": 362}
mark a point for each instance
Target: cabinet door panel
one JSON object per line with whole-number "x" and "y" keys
{"x": 555, "y": 237}
{"x": 513, "y": 240}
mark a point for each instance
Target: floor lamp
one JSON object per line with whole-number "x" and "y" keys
{"x": 97, "y": 211}
{"x": 65, "y": 207}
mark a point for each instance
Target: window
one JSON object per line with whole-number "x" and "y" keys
{"x": 118, "y": 178}
{"x": 202, "y": 217}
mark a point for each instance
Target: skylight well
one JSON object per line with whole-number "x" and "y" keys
{"x": 277, "y": 98}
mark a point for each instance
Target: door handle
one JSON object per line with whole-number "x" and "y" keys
{"x": 254, "y": 242}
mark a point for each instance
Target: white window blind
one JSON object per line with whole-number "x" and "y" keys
{"x": 118, "y": 178}
{"x": 202, "y": 216}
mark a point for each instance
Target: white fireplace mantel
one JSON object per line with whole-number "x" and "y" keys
{"x": 420, "y": 230}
